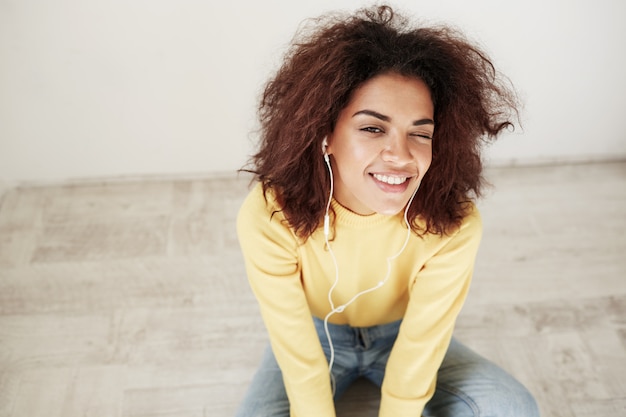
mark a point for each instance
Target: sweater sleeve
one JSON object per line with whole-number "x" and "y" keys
{"x": 436, "y": 298}
{"x": 272, "y": 264}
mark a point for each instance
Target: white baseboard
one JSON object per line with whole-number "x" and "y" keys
{"x": 567, "y": 160}
{"x": 113, "y": 179}
{"x": 4, "y": 187}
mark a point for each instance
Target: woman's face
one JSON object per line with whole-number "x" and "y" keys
{"x": 381, "y": 146}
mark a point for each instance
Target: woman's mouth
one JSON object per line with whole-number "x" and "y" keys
{"x": 391, "y": 179}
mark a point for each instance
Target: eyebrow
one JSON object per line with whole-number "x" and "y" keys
{"x": 384, "y": 118}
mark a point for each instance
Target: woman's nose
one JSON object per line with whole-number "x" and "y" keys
{"x": 397, "y": 150}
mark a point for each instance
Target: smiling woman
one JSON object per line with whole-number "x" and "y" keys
{"x": 361, "y": 234}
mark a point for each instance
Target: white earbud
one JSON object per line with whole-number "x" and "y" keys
{"x": 324, "y": 146}
{"x": 330, "y": 196}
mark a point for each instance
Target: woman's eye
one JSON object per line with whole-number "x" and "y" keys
{"x": 422, "y": 135}
{"x": 372, "y": 129}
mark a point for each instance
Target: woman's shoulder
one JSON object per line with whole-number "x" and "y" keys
{"x": 260, "y": 207}
{"x": 472, "y": 218}
{"x": 259, "y": 201}
{"x": 261, "y": 225}
{"x": 471, "y": 225}
{"x": 468, "y": 228}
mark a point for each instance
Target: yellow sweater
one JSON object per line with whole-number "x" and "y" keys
{"x": 291, "y": 279}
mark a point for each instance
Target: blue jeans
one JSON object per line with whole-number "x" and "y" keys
{"x": 467, "y": 384}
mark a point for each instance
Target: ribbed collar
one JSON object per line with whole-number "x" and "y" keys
{"x": 349, "y": 218}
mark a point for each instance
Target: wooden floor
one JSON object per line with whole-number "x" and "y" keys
{"x": 130, "y": 299}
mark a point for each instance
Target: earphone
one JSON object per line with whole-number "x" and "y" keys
{"x": 330, "y": 170}
{"x": 339, "y": 309}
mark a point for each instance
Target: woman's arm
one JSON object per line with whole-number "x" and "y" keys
{"x": 273, "y": 268}
{"x": 436, "y": 298}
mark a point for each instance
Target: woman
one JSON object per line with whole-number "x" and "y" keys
{"x": 361, "y": 234}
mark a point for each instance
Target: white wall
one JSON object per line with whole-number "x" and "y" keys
{"x": 92, "y": 89}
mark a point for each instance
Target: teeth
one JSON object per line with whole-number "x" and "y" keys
{"x": 390, "y": 179}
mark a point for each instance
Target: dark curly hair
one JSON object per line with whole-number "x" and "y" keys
{"x": 328, "y": 61}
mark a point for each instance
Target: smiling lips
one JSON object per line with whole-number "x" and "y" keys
{"x": 390, "y": 179}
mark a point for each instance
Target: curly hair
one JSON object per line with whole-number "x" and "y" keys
{"x": 328, "y": 61}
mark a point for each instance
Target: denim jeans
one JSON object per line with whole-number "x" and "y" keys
{"x": 467, "y": 384}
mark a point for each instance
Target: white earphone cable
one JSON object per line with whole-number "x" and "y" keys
{"x": 341, "y": 308}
